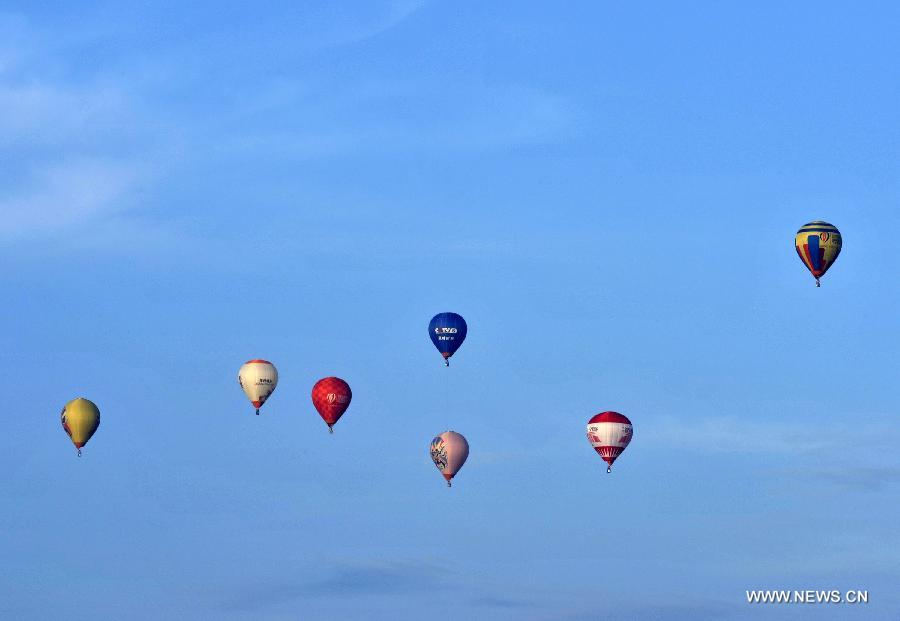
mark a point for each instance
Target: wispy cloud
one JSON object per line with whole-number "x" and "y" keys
{"x": 852, "y": 477}
{"x": 863, "y": 450}
{"x": 36, "y": 114}
{"x": 65, "y": 142}
{"x": 348, "y": 579}
{"x": 774, "y": 435}
{"x": 298, "y": 30}
{"x": 64, "y": 194}
{"x": 12, "y": 41}
{"x": 649, "y": 609}
{"x": 383, "y": 116}
{"x": 380, "y": 578}
{"x": 89, "y": 146}
{"x": 350, "y": 29}
{"x": 384, "y": 578}
{"x": 503, "y": 602}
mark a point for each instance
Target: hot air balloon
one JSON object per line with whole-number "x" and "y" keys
{"x": 449, "y": 452}
{"x": 80, "y": 419}
{"x": 609, "y": 433}
{"x": 331, "y": 396}
{"x": 447, "y": 332}
{"x": 818, "y": 244}
{"x": 258, "y": 378}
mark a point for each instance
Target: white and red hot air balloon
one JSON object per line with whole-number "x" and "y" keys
{"x": 449, "y": 452}
{"x": 258, "y": 378}
{"x": 609, "y": 433}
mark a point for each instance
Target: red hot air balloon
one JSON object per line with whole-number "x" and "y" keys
{"x": 609, "y": 433}
{"x": 331, "y": 396}
{"x": 449, "y": 452}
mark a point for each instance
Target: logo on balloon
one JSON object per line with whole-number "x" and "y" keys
{"x": 333, "y": 398}
{"x": 823, "y": 237}
{"x": 445, "y": 330}
{"x": 438, "y": 453}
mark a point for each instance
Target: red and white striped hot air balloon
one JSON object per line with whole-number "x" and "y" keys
{"x": 609, "y": 433}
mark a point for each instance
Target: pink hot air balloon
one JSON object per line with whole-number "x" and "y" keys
{"x": 449, "y": 452}
{"x": 609, "y": 433}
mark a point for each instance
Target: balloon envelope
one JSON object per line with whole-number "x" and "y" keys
{"x": 609, "y": 433}
{"x": 331, "y": 397}
{"x": 258, "y": 378}
{"x": 818, "y": 245}
{"x": 80, "y": 419}
{"x": 449, "y": 452}
{"x": 447, "y": 332}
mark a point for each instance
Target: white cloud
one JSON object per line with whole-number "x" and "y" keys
{"x": 12, "y": 42}
{"x": 62, "y": 140}
{"x": 66, "y": 194}
{"x": 70, "y": 137}
{"x": 774, "y": 435}
{"x": 37, "y": 114}
{"x": 385, "y": 116}
{"x": 353, "y": 32}
{"x": 853, "y": 477}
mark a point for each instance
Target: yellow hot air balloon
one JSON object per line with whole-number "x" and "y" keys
{"x": 80, "y": 419}
{"x": 818, "y": 244}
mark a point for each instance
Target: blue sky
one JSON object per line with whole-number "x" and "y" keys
{"x": 608, "y": 194}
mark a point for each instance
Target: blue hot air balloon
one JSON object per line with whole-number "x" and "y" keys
{"x": 447, "y": 332}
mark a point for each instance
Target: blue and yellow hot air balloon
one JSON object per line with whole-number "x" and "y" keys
{"x": 818, "y": 244}
{"x": 80, "y": 419}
